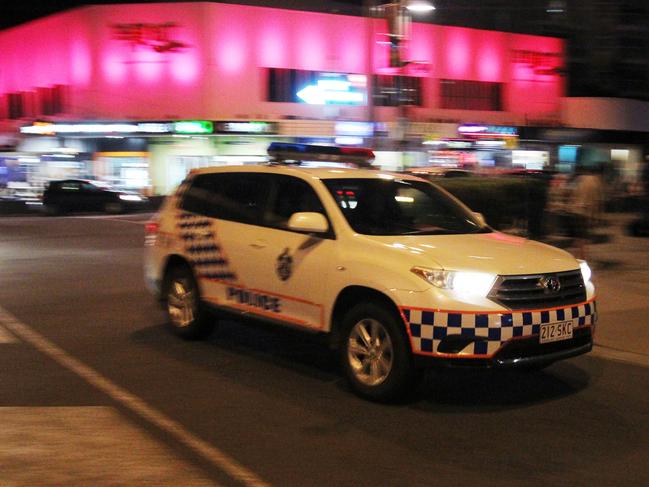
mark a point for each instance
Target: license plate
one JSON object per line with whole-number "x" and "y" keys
{"x": 554, "y": 332}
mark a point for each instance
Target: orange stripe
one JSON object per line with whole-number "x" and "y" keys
{"x": 261, "y": 291}
{"x": 252, "y": 309}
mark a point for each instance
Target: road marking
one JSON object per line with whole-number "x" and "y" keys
{"x": 136, "y": 222}
{"x": 6, "y": 337}
{"x": 210, "y": 453}
{"x": 621, "y": 355}
{"x": 59, "y": 445}
{"x": 112, "y": 218}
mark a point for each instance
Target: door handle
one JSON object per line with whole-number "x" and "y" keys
{"x": 258, "y": 244}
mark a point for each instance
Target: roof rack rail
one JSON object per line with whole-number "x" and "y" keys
{"x": 293, "y": 153}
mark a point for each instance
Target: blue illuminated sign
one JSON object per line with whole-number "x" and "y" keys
{"x": 335, "y": 89}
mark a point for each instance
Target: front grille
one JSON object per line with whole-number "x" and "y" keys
{"x": 528, "y": 291}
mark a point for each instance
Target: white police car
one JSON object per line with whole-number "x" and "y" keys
{"x": 394, "y": 270}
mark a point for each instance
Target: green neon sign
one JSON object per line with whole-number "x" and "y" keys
{"x": 193, "y": 127}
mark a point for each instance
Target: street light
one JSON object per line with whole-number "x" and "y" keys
{"x": 420, "y": 6}
{"x": 399, "y": 17}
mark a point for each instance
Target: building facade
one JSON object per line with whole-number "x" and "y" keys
{"x": 298, "y": 74}
{"x": 221, "y": 61}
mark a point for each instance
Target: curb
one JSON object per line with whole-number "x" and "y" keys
{"x": 621, "y": 355}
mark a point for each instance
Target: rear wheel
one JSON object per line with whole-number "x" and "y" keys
{"x": 187, "y": 315}
{"x": 375, "y": 354}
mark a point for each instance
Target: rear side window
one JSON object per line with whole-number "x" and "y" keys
{"x": 292, "y": 195}
{"x": 239, "y": 197}
{"x": 71, "y": 186}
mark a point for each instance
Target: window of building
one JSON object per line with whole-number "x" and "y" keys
{"x": 315, "y": 87}
{"x": 471, "y": 95}
{"x": 283, "y": 84}
{"x": 51, "y": 100}
{"x": 392, "y": 91}
{"x": 15, "y": 106}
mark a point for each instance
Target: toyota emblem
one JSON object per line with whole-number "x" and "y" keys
{"x": 550, "y": 284}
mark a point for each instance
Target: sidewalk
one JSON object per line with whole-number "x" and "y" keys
{"x": 621, "y": 275}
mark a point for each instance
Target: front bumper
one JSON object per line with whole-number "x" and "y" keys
{"x": 521, "y": 353}
{"x": 497, "y": 339}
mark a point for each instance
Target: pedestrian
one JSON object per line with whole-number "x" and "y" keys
{"x": 585, "y": 207}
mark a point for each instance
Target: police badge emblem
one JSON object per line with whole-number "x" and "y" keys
{"x": 284, "y": 265}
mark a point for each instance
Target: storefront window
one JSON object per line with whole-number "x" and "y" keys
{"x": 127, "y": 170}
{"x": 471, "y": 95}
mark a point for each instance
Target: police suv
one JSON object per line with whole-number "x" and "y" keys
{"x": 395, "y": 271}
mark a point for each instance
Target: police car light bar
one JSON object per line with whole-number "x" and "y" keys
{"x": 281, "y": 152}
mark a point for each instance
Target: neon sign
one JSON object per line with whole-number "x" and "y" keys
{"x": 488, "y": 130}
{"x": 153, "y": 36}
{"x": 193, "y": 127}
{"x": 244, "y": 127}
{"x": 335, "y": 89}
{"x": 541, "y": 63}
{"x": 46, "y": 128}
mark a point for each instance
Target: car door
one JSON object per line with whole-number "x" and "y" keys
{"x": 242, "y": 252}
{"x": 93, "y": 197}
{"x": 292, "y": 267}
{"x": 69, "y": 195}
{"x": 219, "y": 218}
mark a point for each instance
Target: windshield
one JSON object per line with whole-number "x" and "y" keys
{"x": 101, "y": 185}
{"x": 400, "y": 207}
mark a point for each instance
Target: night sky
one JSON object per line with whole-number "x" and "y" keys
{"x": 13, "y": 12}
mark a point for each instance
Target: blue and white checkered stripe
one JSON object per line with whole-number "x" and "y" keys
{"x": 202, "y": 247}
{"x": 429, "y": 327}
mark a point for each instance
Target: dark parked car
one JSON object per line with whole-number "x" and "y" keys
{"x": 80, "y": 195}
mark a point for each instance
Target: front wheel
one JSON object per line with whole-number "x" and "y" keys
{"x": 188, "y": 317}
{"x": 375, "y": 354}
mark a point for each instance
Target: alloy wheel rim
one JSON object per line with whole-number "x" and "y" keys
{"x": 370, "y": 352}
{"x": 181, "y": 304}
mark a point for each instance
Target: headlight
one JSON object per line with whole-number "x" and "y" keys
{"x": 130, "y": 197}
{"x": 586, "y": 273}
{"x": 463, "y": 283}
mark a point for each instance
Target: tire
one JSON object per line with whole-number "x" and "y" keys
{"x": 375, "y": 353}
{"x": 52, "y": 209}
{"x": 186, "y": 314}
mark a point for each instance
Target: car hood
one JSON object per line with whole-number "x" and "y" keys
{"x": 495, "y": 253}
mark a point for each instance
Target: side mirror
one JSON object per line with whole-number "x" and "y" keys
{"x": 480, "y": 217}
{"x": 307, "y": 221}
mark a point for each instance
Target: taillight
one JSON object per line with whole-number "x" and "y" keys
{"x": 151, "y": 229}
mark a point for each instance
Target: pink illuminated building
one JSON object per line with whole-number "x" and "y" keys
{"x": 298, "y": 75}
{"x": 214, "y": 61}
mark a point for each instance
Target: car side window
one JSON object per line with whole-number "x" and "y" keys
{"x": 89, "y": 187}
{"x": 291, "y": 195}
{"x": 239, "y": 197}
{"x": 70, "y": 186}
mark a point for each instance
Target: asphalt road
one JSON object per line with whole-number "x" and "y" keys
{"x": 95, "y": 391}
